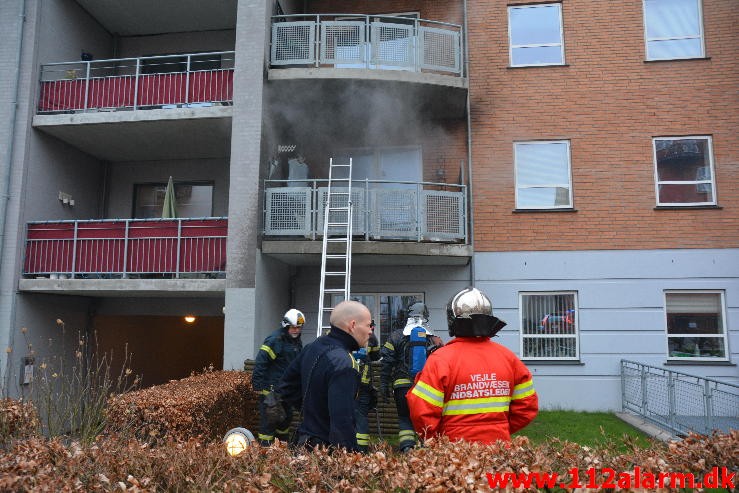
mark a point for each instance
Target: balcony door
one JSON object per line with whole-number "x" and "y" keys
{"x": 388, "y": 164}
{"x": 193, "y": 199}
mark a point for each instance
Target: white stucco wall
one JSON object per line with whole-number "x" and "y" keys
{"x": 621, "y": 312}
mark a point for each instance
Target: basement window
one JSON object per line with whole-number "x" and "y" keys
{"x": 549, "y": 325}
{"x": 695, "y": 325}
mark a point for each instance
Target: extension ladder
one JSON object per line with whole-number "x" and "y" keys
{"x": 336, "y": 254}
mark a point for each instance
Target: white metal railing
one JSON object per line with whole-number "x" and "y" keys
{"x": 121, "y": 248}
{"x": 366, "y": 41}
{"x": 679, "y": 401}
{"x": 199, "y": 79}
{"x": 414, "y": 211}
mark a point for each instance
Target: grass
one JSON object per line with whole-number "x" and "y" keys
{"x": 585, "y": 428}
{"x": 591, "y": 429}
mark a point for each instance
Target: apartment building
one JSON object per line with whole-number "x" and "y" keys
{"x": 576, "y": 160}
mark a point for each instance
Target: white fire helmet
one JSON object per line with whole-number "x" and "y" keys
{"x": 293, "y": 318}
{"x": 470, "y": 314}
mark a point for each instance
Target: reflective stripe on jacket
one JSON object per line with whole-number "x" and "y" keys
{"x": 274, "y": 356}
{"x": 472, "y": 389}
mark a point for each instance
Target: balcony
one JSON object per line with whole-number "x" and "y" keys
{"x": 392, "y": 222}
{"x": 193, "y": 80}
{"x": 112, "y": 257}
{"x": 148, "y": 108}
{"x": 420, "y": 61}
{"x": 367, "y": 41}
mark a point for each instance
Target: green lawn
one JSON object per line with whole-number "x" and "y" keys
{"x": 590, "y": 429}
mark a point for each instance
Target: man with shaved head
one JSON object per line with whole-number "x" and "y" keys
{"x": 325, "y": 377}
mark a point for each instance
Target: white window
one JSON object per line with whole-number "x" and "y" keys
{"x": 549, "y": 323}
{"x": 695, "y": 325}
{"x": 389, "y": 311}
{"x": 673, "y": 29}
{"x": 543, "y": 175}
{"x": 684, "y": 171}
{"x": 535, "y": 35}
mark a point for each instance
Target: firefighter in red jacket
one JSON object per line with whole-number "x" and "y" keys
{"x": 472, "y": 388}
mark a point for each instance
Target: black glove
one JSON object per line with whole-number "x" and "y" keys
{"x": 274, "y": 409}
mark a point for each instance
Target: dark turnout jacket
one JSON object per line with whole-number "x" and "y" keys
{"x": 325, "y": 377}
{"x": 275, "y": 354}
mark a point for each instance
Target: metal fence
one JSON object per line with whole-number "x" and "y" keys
{"x": 678, "y": 401}
{"x": 366, "y": 41}
{"x": 126, "y": 248}
{"x": 381, "y": 210}
{"x": 201, "y": 79}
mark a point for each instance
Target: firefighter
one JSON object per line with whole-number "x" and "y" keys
{"x": 396, "y": 376}
{"x": 367, "y": 395}
{"x": 472, "y": 388}
{"x": 325, "y": 378}
{"x": 278, "y": 350}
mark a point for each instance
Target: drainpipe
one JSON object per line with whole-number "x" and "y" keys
{"x": 470, "y": 207}
{"x": 7, "y": 163}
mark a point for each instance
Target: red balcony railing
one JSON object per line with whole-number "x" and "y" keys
{"x": 120, "y": 248}
{"x": 126, "y": 84}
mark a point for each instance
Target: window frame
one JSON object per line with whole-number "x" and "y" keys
{"x": 576, "y": 323}
{"x": 376, "y": 311}
{"x": 561, "y": 43}
{"x": 517, "y": 186}
{"x": 724, "y": 331}
{"x": 657, "y": 182}
{"x": 701, "y": 35}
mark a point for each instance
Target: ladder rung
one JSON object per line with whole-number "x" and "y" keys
{"x": 338, "y": 209}
{"x": 334, "y": 165}
{"x": 336, "y": 240}
{"x": 334, "y": 290}
{"x": 335, "y": 273}
{"x": 336, "y": 256}
{"x": 337, "y": 224}
{"x": 339, "y": 193}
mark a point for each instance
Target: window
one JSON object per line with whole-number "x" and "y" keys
{"x": 695, "y": 325}
{"x": 543, "y": 175}
{"x": 549, "y": 325}
{"x": 535, "y": 35}
{"x": 192, "y": 199}
{"x": 673, "y": 29}
{"x": 390, "y": 307}
{"x": 684, "y": 171}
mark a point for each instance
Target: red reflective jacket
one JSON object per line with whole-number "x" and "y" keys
{"x": 472, "y": 389}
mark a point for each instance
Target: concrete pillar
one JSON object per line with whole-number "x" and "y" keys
{"x": 252, "y": 34}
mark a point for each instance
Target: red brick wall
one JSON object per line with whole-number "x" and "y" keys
{"x": 609, "y": 103}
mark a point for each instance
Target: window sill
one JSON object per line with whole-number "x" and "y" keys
{"x": 515, "y": 67}
{"x": 683, "y": 207}
{"x": 698, "y": 363}
{"x": 563, "y": 209}
{"x": 546, "y": 362}
{"x": 678, "y": 59}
